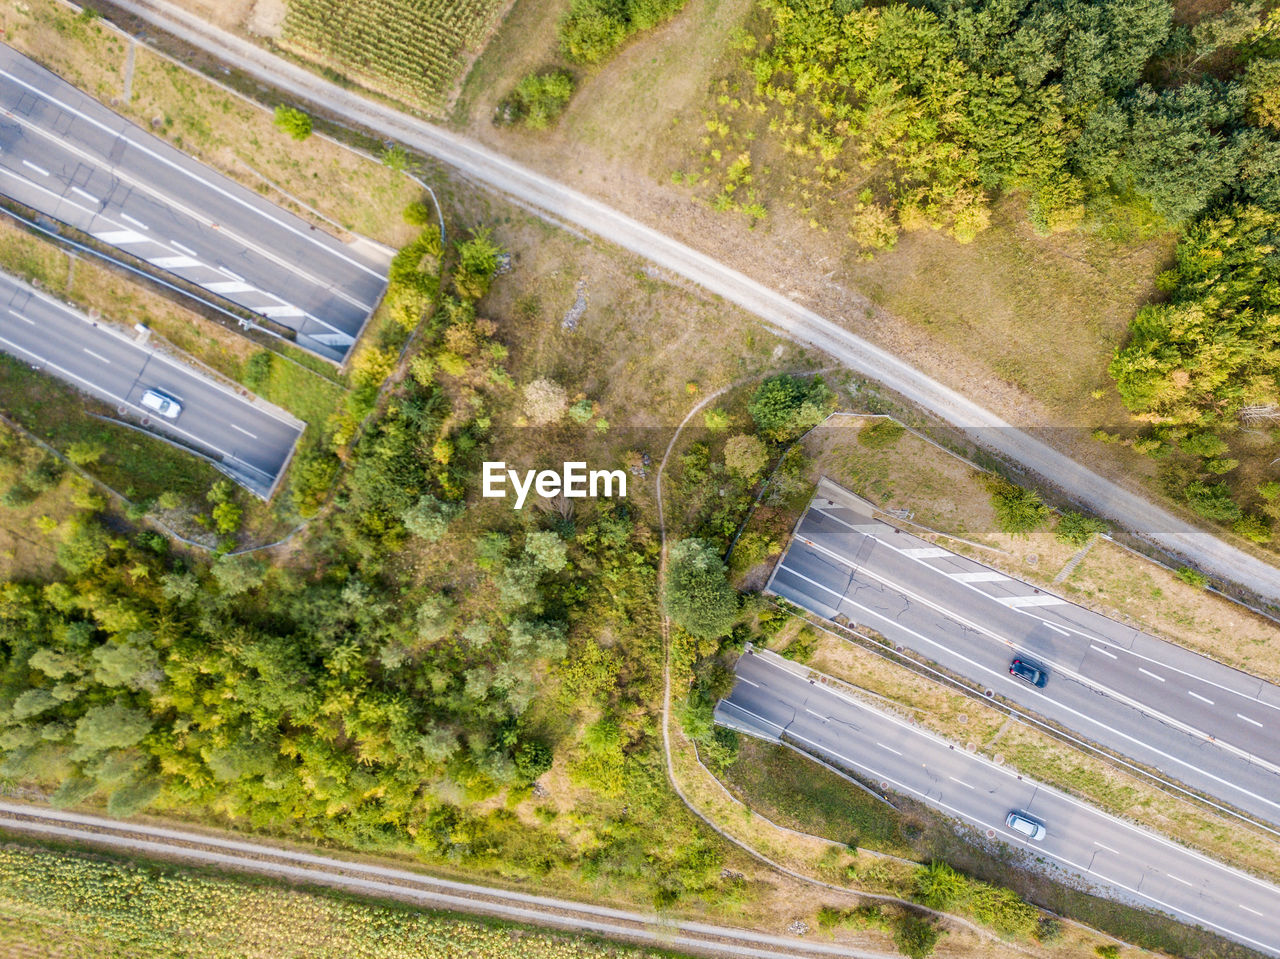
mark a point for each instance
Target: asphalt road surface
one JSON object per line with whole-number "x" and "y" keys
{"x": 1209, "y": 726}
{"x": 251, "y": 440}
{"x": 1082, "y": 845}
{"x": 65, "y": 154}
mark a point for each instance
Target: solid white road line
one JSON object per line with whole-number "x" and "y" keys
{"x": 96, "y": 356}
{"x": 1074, "y": 629}
{"x": 1248, "y": 720}
{"x": 1084, "y": 717}
{"x": 252, "y": 436}
{"x": 1203, "y": 699}
{"x": 31, "y": 166}
{"x": 1151, "y": 674}
{"x": 1080, "y": 867}
{"x": 252, "y": 207}
{"x": 1099, "y": 649}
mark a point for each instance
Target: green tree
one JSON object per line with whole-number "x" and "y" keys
{"x": 429, "y": 518}
{"x": 111, "y": 726}
{"x": 293, "y": 122}
{"x": 477, "y": 264}
{"x": 697, "y": 596}
{"x": 784, "y": 406}
{"x": 745, "y": 456}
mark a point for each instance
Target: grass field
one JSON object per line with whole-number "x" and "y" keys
{"x": 72, "y": 906}
{"x": 410, "y": 50}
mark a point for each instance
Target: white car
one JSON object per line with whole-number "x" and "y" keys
{"x": 161, "y": 403}
{"x": 1023, "y": 823}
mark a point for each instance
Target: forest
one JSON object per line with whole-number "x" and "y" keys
{"x": 875, "y": 120}
{"x": 416, "y": 654}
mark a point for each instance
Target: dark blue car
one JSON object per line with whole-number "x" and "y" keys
{"x": 1029, "y": 672}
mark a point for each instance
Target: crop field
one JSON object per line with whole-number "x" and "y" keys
{"x": 410, "y": 50}
{"x": 70, "y": 905}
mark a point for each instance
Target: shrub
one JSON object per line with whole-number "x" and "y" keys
{"x": 1212, "y": 501}
{"x": 1075, "y": 529}
{"x": 293, "y": 122}
{"x": 545, "y": 402}
{"x": 1253, "y": 527}
{"x": 915, "y": 937}
{"x": 539, "y": 98}
{"x": 1019, "y": 511}
{"x": 1192, "y": 577}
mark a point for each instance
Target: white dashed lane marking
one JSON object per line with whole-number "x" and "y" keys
{"x": 1098, "y": 649}
{"x": 31, "y": 166}
{"x": 252, "y": 436}
{"x": 96, "y": 356}
{"x": 1203, "y": 699}
{"x": 1151, "y": 674}
{"x": 1248, "y": 720}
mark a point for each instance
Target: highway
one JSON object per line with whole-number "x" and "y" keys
{"x": 250, "y": 439}
{"x": 1083, "y": 846}
{"x": 68, "y": 156}
{"x": 1211, "y": 727}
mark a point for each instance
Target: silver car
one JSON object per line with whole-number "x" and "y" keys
{"x": 161, "y": 403}
{"x": 1022, "y": 822}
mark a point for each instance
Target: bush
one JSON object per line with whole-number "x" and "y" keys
{"x": 594, "y": 29}
{"x": 1212, "y": 501}
{"x": 1075, "y": 529}
{"x": 293, "y": 122}
{"x": 1253, "y": 527}
{"x": 1019, "y": 511}
{"x": 915, "y": 937}
{"x": 477, "y": 265}
{"x": 538, "y": 99}
{"x": 545, "y": 402}
{"x": 1192, "y": 577}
